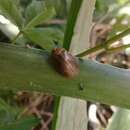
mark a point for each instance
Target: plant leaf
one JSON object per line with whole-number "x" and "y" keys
{"x": 33, "y": 9}
{"x": 23, "y": 124}
{"x": 75, "y": 7}
{"x": 61, "y": 8}
{"x": 44, "y": 37}
{"x": 7, "y": 112}
{"x": 42, "y": 17}
{"x": 120, "y": 120}
{"x": 11, "y": 11}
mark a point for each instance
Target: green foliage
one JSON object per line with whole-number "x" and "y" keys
{"x": 61, "y": 8}
{"x": 120, "y": 120}
{"x": 102, "y": 8}
{"x": 7, "y": 112}
{"x": 25, "y": 3}
{"x": 22, "y": 124}
{"x": 45, "y": 37}
{"x": 27, "y": 16}
{"x": 75, "y": 7}
{"x": 10, "y": 10}
{"x": 41, "y": 17}
{"x": 33, "y": 9}
{"x": 8, "y": 118}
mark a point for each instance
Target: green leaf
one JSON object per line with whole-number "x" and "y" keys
{"x": 7, "y": 112}
{"x": 33, "y": 9}
{"x": 44, "y": 37}
{"x": 81, "y": 31}
{"x": 120, "y": 120}
{"x": 42, "y": 17}
{"x": 61, "y": 8}
{"x": 23, "y": 124}
{"x": 11, "y": 11}
{"x": 75, "y": 7}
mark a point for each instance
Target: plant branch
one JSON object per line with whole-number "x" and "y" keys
{"x": 111, "y": 50}
{"x": 91, "y": 50}
{"x": 104, "y": 45}
{"x": 117, "y": 37}
{"x": 29, "y": 69}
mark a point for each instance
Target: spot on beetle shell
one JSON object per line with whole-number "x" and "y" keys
{"x": 64, "y": 62}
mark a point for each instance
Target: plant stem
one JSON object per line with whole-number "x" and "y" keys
{"x": 56, "y": 108}
{"x": 111, "y": 50}
{"x": 91, "y": 50}
{"x": 29, "y": 69}
{"x": 117, "y": 37}
{"x": 105, "y": 44}
{"x": 16, "y": 37}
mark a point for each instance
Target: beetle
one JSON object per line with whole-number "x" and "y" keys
{"x": 64, "y": 62}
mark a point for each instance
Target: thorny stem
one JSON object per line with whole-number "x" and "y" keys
{"x": 106, "y": 44}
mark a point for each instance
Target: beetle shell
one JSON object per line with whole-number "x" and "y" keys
{"x": 64, "y": 62}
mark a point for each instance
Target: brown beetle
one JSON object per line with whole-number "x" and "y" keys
{"x": 64, "y": 62}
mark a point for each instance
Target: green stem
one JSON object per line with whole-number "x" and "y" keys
{"x": 104, "y": 45}
{"x": 56, "y": 108}
{"x": 29, "y": 69}
{"x": 16, "y": 37}
{"x": 117, "y": 37}
{"x": 111, "y": 50}
{"x": 91, "y": 50}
